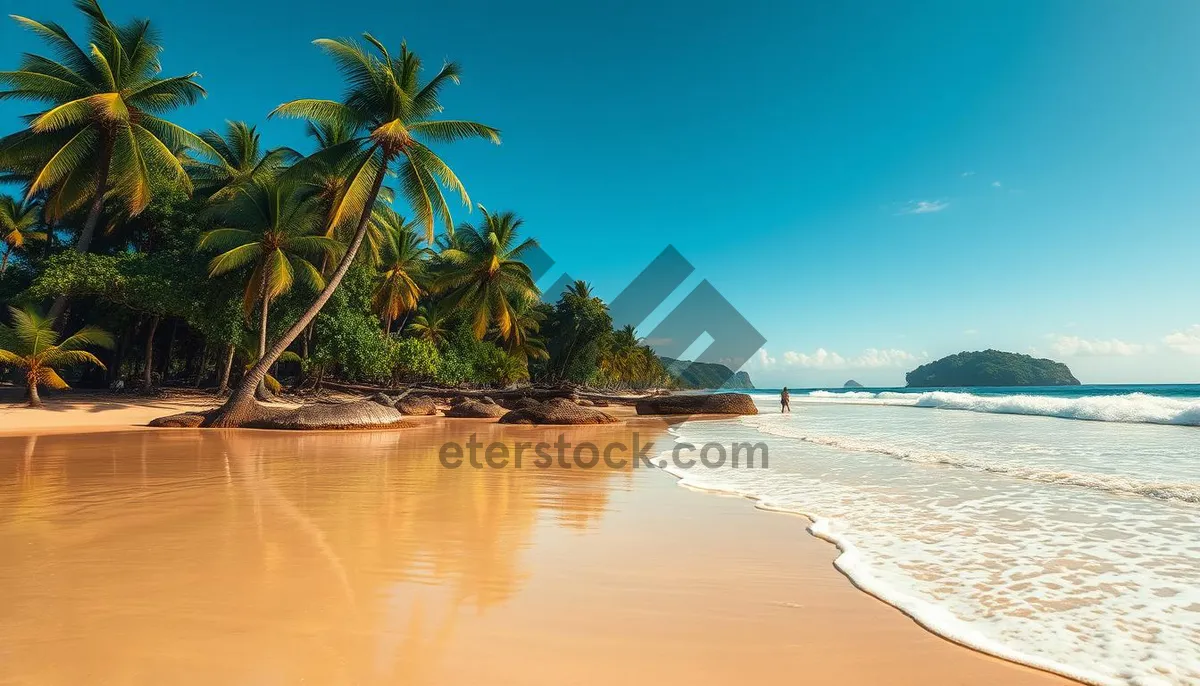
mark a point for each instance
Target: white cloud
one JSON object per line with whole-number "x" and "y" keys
{"x": 970, "y": 332}
{"x": 871, "y": 358}
{"x": 1186, "y": 341}
{"x": 924, "y": 206}
{"x": 968, "y": 173}
{"x": 762, "y": 359}
{"x": 996, "y": 184}
{"x": 1074, "y": 346}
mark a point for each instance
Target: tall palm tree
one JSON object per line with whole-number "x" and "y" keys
{"x": 273, "y": 226}
{"x": 102, "y": 136}
{"x": 32, "y": 344}
{"x": 432, "y": 323}
{"x": 241, "y": 160}
{"x": 18, "y": 226}
{"x": 487, "y": 274}
{"x": 391, "y": 111}
{"x": 401, "y": 269}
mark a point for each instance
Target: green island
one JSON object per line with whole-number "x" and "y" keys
{"x": 705, "y": 375}
{"x": 991, "y": 368}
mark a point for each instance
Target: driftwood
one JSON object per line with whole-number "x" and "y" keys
{"x": 539, "y": 393}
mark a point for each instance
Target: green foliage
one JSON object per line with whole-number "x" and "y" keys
{"x": 577, "y": 331}
{"x": 991, "y": 368}
{"x": 415, "y": 360}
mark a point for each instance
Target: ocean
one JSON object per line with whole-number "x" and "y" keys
{"x": 1057, "y": 527}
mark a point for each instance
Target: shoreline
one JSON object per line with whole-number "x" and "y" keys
{"x": 904, "y": 604}
{"x": 695, "y": 550}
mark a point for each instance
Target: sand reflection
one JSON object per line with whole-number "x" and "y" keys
{"x": 265, "y": 557}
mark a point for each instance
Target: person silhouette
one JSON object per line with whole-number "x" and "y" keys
{"x": 785, "y": 401}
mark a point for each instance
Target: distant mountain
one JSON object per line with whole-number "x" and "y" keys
{"x": 852, "y": 384}
{"x": 699, "y": 375}
{"x": 991, "y": 368}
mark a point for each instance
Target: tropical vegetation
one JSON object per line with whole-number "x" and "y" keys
{"x": 224, "y": 261}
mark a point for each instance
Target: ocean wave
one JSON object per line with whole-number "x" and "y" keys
{"x": 851, "y": 562}
{"x": 1136, "y": 408}
{"x": 1112, "y": 483}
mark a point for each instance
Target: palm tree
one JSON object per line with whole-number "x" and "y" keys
{"x": 241, "y": 161}
{"x": 391, "y": 111}
{"x": 523, "y": 341}
{"x": 275, "y": 227}
{"x": 101, "y": 136}
{"x": 17, "y": 227}
{"x": 402, "y": 267}
{"x": 487, "y": 274}
{"x": 432, "y": 323}
{"x": 32, "y": 344}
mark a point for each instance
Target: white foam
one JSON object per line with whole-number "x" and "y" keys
{"x": 1085, "y": 582}
{"x": 1186, "y": 492}
{"x": 1137, "y": 408}
{"x": 933, "y": 617}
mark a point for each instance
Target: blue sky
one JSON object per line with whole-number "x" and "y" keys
{"x": 870, "y": 184}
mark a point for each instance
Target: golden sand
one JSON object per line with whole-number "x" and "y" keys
{"x": 255, "y": 557}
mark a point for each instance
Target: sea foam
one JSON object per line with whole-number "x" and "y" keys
{"x": 1187, "y": 492}
{"x": 1137, "y": 408}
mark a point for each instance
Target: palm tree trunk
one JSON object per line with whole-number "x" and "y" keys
{"x": 34, "y": 399}
{"x": 262, "y": 326}
{"x": 223, "y": 385}
{"x": 4, "y": 261}
{"x": 241, "y": 407}
{"x": 93, "y": 219}
{"x": 148, "y": 372}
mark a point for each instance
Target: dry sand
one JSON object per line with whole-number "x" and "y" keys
{"x": 256, "y": 557}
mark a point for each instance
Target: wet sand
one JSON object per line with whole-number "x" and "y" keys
{"x": 255, "y": 557}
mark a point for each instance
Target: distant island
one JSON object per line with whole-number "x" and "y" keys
{"x": 991, "y": 368}
{"x": 852, "y": 384}
{"x": 698, "y": 375}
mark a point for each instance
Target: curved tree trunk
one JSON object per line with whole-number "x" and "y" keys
{"x": 241, "y": 406}
{"x": 148, "y": 372}
{"x": 93, "y": 219}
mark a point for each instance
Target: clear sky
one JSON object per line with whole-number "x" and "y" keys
{"x": 871, "y": 184}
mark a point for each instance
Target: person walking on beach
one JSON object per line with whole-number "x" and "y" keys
{"x": 785, "y": 401}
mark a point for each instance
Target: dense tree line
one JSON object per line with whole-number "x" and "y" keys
{"x": 211, "y": 259}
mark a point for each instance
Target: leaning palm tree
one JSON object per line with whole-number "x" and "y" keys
{"x": 32, "y": 344}
{"x": 273, "y": 226}
{"x": 102, "y": 136}
{"x": 241, "y": 160}
{"x": 487, "y": 275}
{"x": 18, "y": 226}
{"x": 401, "y": 268}
{"x": 392, "y": 111}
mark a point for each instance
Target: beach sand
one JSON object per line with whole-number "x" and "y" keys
{"x": 257, "y": 557}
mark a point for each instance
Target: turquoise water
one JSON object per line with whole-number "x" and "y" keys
{"x": 1163, "y": 390}
{"x": 1058, "y": 527}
